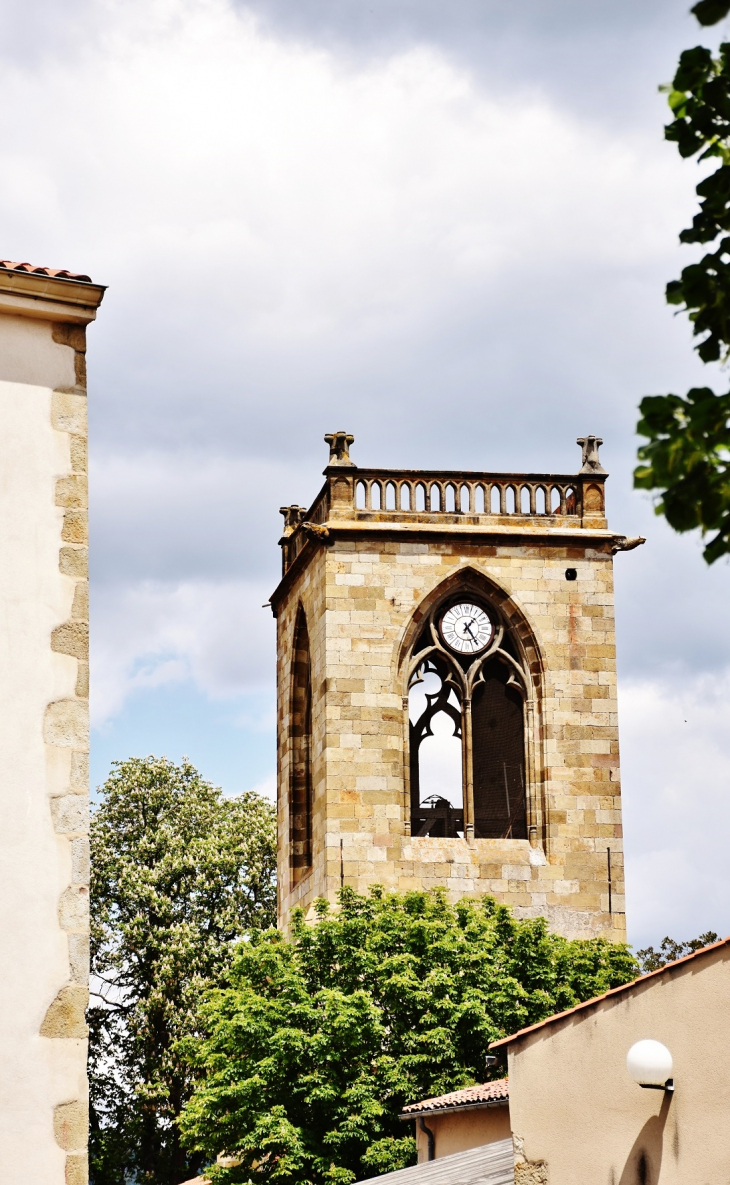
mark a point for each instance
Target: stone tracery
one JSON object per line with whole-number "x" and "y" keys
{"x": 485, "y": 696}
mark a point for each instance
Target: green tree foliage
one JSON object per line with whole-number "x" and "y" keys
{"x": 179, "y": 873}
{"x": 321, "y": 1039}
{"x": 687, "y": 456}
{"x": 669, "y": 950}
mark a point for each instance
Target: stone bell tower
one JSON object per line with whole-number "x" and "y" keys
{"x": 447, "y": 690}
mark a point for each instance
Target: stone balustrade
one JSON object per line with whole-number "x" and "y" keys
{"x": 457, "y": 493}
{"x": 524, "y": 501}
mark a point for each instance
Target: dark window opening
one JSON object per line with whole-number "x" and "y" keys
{"x": 435, "y": 752}
{"x": 300, "y": 804}
{"x": 498, "y": 751}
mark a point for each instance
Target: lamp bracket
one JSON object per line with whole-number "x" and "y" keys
{"x": 668, "y": 1086}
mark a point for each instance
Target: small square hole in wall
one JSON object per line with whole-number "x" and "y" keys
{"x": 571, "y": 574}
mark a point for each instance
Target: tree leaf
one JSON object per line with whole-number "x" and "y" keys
{"x": 709, "y": 12}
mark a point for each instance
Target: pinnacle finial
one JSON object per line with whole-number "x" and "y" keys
{"x": 591, "y": 459}
{"x": 293, "y": 515}
{"x": 339, "y": 443}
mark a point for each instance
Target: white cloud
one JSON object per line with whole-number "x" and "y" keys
{"x": 187, "y": 513}
{"x": 297, "y": 241}
{"x": 676, "y": 800}
{"x": 231, "y": 184}
{"x": 267, "y": 788}
{"x": 151, "y": 634}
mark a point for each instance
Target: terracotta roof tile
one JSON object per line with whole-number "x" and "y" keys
{"x": 54, "y": 273}
{"x": 625, "y": 987}
{"x": 470, "y": 1096}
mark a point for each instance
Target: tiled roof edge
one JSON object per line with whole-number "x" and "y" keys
{"x": 481, "y": 1105}
{"x": 459, "y": 1100}
{"x": 54, "y": 273}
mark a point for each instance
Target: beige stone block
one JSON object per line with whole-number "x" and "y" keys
{"x": 71, "y": 638}
{"x": 74, "y": 561}
{"x": 350, "y": 740}
{"x": 71, "y": 1125}
{"x": 66, "y": 723}
{"x": 70, "y": 813}
{"x": 369, "y": 783}
{"x": 377, "y": 855}
{"x": 78, "y": 957}
{"x": 516, "y": 872}
{"x": 75, "y": 526}
{"x": 82, "y": 680}
{"x": 73, "y": 908}
{"x": 77, "y": 1169}
{"x": 80, "y": 861}
{"x": 66, "y": 1014}
{"x": 80, "y": 607}
{"x": 78, "y": 454}
{"x": 72, "y": 491}
{"x": 490, "y": 872}
{"x": 68, "y": 412}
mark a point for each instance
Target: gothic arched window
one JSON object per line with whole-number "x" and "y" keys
{"x": 300, "y": 796}
{"x": 436, "y": 754}
{"x": 466, "y": 694}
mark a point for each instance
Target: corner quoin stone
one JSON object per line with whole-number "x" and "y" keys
{"x": 67, "y": 723}
{"x": 66, "y": 1016}
{"x": 71, "y": 1125}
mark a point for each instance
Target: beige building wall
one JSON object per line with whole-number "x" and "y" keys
{"x": 364, "y": 580}
{"x": 577, "y": 1115}
{"x": 44, "y": 907}
{"x": 457, "y": 1131}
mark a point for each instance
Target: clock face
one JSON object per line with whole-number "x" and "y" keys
{"x": 466, "y": 628}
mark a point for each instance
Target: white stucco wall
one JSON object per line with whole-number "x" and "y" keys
{"x": 36, "y": 1072}
{"x": 43, "y": 730}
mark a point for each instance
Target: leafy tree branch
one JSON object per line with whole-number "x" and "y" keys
{"x": 687, "y": 456}
{"x": 669, "y": 950}
{"x": 321, "y": 1038}
{"x": 179, "y": 874}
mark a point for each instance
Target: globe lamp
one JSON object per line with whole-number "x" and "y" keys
{"x": 650, "y": 1064}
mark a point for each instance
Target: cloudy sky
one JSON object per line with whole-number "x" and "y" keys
{"x": 396, "y": 217}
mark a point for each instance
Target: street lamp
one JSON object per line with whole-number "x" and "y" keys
{"x": 650, "y": 1064}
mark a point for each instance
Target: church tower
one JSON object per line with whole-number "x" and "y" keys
{"x": 447, "y": 690}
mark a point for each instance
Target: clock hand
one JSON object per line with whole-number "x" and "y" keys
{"x": 467, "y": 626}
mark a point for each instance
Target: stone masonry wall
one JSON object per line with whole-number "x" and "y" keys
{"x": 66, "y": 733}
{"x": 310, "y": 593}
{"x": 359, "y": 596}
